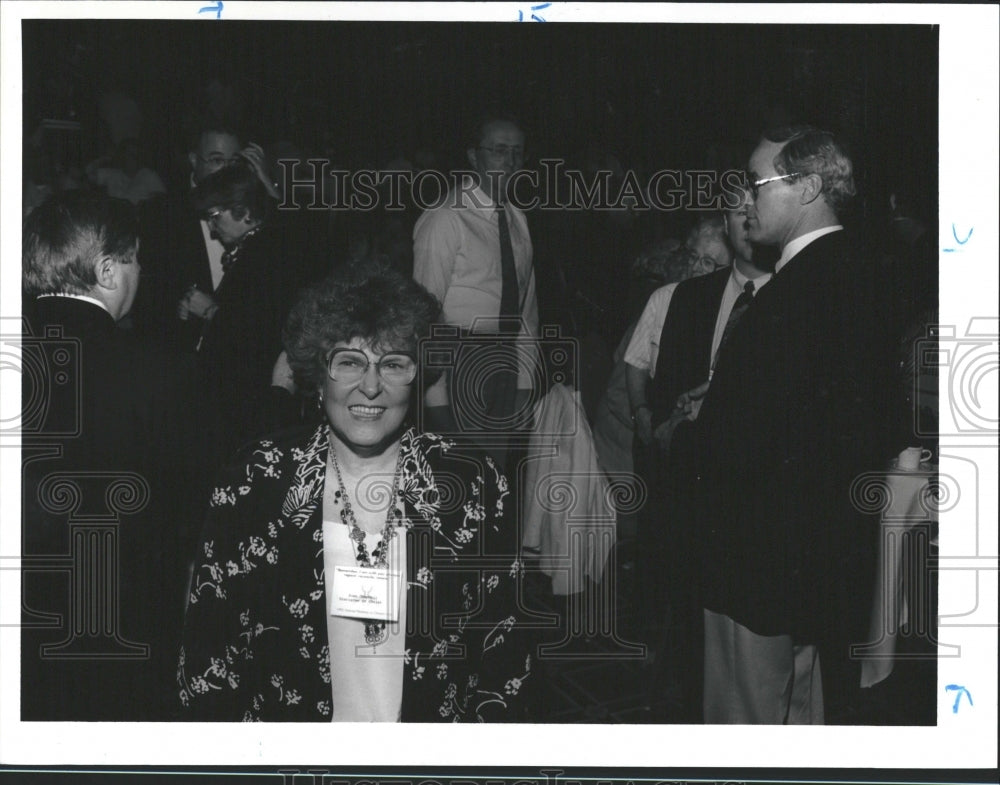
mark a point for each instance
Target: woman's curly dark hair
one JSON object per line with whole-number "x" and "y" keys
{"x": 367, "y": 300}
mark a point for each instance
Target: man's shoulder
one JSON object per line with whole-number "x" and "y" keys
{"x": 708, "y": 280}
{"x": 704, "y": 284}
{"x": 442, "y": 217}
{"x": 660, "y": 298}
{"x": 838, "y": 259}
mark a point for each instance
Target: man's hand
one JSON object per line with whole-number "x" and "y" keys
{"x": 687, "y": 408}
{"x": 664, "y": 433}
{"x": 253, "y": 154}
{"x": 690, "y": 402}
{"x": 196, "y": 303}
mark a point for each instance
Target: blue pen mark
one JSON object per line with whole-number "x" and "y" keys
{"x": 954, "y": 233}
{"x": 958, "y": 698}
{"x": 217, "y": 8}
{"x": 542, "y": 7}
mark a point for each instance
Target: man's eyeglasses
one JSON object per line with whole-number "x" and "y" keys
{"x": 348, "y": 366}
{"x": 503, "y": 152}
{"x": 217, "y": 161}
{"x": 754, "y": 186}
{"x": 213, "y": 215}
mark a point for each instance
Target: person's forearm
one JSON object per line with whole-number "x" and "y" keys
{"x": 636, "y": 382}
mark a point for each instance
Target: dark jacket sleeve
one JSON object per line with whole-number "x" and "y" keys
{"x": 215, "y": 656}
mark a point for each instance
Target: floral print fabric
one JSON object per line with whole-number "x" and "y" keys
{"x": 255, "y": 638}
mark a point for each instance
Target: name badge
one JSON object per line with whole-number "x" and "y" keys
{"x": 365, "y": 593}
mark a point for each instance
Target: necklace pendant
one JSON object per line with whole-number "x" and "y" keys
{"x": 375, "y": 633}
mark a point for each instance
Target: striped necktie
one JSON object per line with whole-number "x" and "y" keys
{"x": 739, "y": 308}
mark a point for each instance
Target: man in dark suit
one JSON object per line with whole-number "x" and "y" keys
{"x": 697, "y": 316}
{"x": 790, "y": 419}
{"x": 178, "y": 250}
{"x": 110, "y": 476}
{"x": 240, "y": 324}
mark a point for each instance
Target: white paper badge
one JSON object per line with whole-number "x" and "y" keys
{"x": 365, "y": 593}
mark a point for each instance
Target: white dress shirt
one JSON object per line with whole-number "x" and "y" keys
{"x": 456, "y": 257}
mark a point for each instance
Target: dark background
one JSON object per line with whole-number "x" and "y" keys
{"x": 655, "y": 96}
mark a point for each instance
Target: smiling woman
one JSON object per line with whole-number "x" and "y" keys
{"x": 362, "y": 628}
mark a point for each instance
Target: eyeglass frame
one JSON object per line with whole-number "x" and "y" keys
{"x": 502, "y": 153}
{"x": 378, "y": 365}
{"x": 219, "y": 161}
{"x": 754, "y": 186}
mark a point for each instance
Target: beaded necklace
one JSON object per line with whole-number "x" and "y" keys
{"x": 375, "y": 630}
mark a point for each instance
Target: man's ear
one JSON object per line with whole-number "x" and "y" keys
{"x": 471, "y": 154}
{"x": 106, "y": 272}
{"x": 193, "y": 160}
{"x": 812, "y": 188}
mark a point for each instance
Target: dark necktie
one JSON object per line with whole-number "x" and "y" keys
{"x": 739, "y": 308}
{"x": 510, "y": 299}
{"x": 229, "y": 258}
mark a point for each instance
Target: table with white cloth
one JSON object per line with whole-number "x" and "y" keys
{"x": 908, "y": 529}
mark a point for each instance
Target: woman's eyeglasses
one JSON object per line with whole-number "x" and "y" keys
{"x": 349, "y": 366}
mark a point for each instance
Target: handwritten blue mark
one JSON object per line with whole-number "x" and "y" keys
{"x": 958, "y": 698}
{"x": 217, "y": 8}
{"x": 542, "y": 7}
{"x": 954, "y": 233}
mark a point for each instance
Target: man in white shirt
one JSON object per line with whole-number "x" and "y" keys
{"x": 474, "y": 254}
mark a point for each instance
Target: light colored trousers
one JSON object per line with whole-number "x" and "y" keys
{"x": 755, "y": 679}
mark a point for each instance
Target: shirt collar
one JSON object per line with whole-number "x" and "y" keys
{"x": 741, "y": 280}
{"x": 84, "y": 297}
{"x": 800, "y": 242}
{"x": 478, "y": 199}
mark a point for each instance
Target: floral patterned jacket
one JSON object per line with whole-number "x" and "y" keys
{"x": 255, "y": 642}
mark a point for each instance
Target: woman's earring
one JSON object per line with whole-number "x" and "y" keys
{"x": 319, "y": 400}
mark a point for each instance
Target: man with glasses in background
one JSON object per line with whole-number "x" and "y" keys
{"x": 178, "y": 251}
{"x": 790, "y": 419}
{"x": 474, "y": 254}
{"x": 239, "y": 324}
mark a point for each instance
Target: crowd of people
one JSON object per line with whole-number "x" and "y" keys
{"x": 322, "y": 516}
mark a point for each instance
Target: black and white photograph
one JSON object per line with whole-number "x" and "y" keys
{"x": 624, "y": 377}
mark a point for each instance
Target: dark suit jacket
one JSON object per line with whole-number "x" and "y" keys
{"x": 794, "y": 413}
{"x": 243, "y": 341}
{"x": 111, "y": 408}
{"x": 173, "y": 257}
